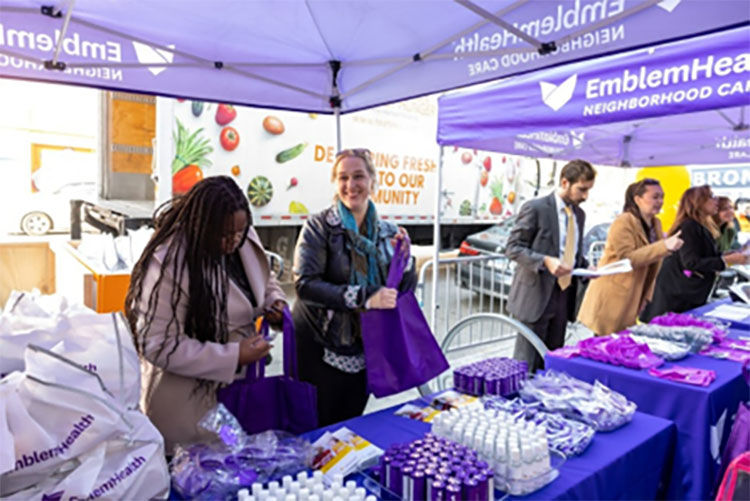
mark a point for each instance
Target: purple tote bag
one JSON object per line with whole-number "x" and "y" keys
{"x": 400, "y": 349}
{"x": 273, "y": 403}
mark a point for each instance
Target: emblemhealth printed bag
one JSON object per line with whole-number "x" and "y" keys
{"x": 100, "y": 342}
{"x": 54, "y": 411}
{"x": 117, "y": 469}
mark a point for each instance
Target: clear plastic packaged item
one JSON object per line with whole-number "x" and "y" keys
{"x": 696, "y": 338}
{"x": 596, "y": 404}
{"x": 668, "y": 350}
{"x": 567, "y": 436}
{"x": 235, "y": 460}
{"x": 718, "y": 328}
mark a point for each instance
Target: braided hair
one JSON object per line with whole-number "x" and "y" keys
{"x": 190, "y": 227}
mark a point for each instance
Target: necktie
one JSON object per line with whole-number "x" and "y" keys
{"x": 569, "y": 252}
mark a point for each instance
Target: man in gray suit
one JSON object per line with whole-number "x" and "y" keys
{"x": 546, "y": 243}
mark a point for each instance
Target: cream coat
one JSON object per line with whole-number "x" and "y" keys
{"x": 167, "y": 395}
{"x": 612, "y": 302}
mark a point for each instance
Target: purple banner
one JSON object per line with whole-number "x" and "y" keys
{"x": 277, "y": 54}
{"x": 671, "y": 104}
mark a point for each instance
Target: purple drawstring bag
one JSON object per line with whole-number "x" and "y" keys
{"x": 273, "y": 403}
{"x": 400, "y": 349}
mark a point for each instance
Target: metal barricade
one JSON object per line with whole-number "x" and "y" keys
{"x": 466, "y": 285}
{"x": 596, "y": 251}
{"x": 276, "y": 263}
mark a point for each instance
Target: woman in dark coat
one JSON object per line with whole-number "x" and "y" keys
{"x": 687, "y": 276}
{"x": 340, "y": 265}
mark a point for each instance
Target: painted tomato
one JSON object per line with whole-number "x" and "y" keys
{"x": 466, "y": 157}
{"x": 229, "y": 138}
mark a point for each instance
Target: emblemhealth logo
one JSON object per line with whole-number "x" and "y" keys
{"x": 149, "y": 55}
{"x": 669, "y": 5}
{"x": 557, "y": 95}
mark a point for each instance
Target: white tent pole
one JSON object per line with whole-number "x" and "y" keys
{"x": 337, "y": 114}
{"x": 63, "y": 31}
{"x": 219, "y": 65}
{"x": 436, "y": 241}
{"x": 419, "y": 56}
{"x": 500, "y": 22}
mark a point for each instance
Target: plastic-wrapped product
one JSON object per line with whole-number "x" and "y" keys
{"x": 668, "y": 350}
{"x": 688, "y": 375}
{"x": 235, "y": 460}
{"x": 596, "y": 404}
{"x": 718, "y": 328}
{"x": 696, "y": 338}
{"x": 564, "y": 435}
{"x": 619, "y": 350}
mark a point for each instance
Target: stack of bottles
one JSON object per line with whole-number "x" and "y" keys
{"x": 306, "y": 488}
{"x": 517, "y": 452}
{"x": 434, "y": 468}
{"x": 494, "y": 376}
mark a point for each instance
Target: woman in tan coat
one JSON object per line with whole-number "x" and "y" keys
{"x": 613, "y": 302}
{"x": 194, "y": 296}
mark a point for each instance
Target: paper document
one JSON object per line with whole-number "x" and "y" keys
{"x": 730, "y": 312}
{"x": 621, "y": 266}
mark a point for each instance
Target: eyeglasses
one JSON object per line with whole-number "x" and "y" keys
{"x": 354, "y": 152}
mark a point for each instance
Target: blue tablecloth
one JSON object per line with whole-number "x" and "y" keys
{"x": 702, "y": 415}
{"x": 624, "y": 464}
{"x": 735, "y": 324}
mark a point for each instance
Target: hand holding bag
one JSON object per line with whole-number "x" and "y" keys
{"x": 273, "y": 403}
{"x": 400, "y": 350}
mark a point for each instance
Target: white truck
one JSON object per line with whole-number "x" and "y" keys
{"x": 283, "y": 161}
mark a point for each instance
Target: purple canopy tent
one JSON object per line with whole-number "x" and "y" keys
{"x": 679, "y": 103}
{"x": 328, "y": 56}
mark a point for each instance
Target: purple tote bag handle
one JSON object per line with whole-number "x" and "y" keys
{"x": 257, "y": 370}
{"x": 398, "y": 265}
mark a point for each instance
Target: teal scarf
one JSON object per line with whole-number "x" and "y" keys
{"x": 366, "y": 259}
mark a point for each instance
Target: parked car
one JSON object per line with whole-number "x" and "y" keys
{"x": 40, "y": 213}
{"x": 495, "y": 275}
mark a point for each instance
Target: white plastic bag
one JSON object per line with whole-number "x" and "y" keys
{"x": 116, "y": 469}
{"x": 100, "y": 342}
{"x": 54, "y": 412}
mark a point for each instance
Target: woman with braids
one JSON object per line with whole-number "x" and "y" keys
{"x": 687, "y": 276}
{"x": 194, "y": 296}
{"x": 613, "y": 302}
{"x": 340, "y": 265}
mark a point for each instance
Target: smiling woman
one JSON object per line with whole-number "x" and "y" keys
{"x": 340, "y": 265}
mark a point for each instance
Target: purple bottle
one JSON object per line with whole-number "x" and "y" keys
{"x": 453, "y": 492}
{"x": 436, "y": 491}
{"x": 393, "y": 481}
{"x": 470, "y": 489}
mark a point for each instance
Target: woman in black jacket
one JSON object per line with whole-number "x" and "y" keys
{"x": 686, "y": 277}
{"x": 340, "y": 265}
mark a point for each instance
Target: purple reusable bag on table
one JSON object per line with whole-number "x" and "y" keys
{"x": 400, "y": 349}
{"x": 273, "y": 403}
